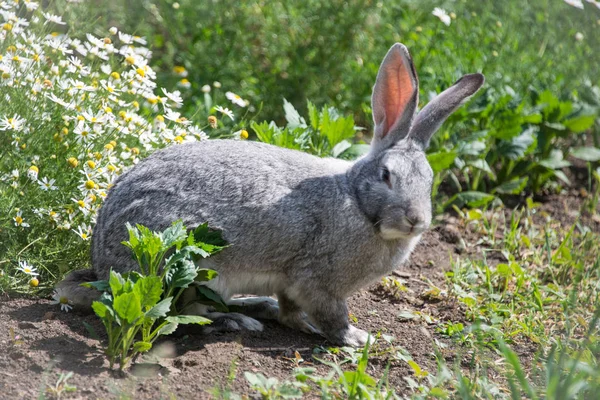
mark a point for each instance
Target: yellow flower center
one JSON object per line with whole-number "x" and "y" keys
{"x": 115, "y": 75}
{"x": 84, "y": 236}
{"x": 130, "y": 60}
{"x": 34, "y": 282}
{"x": 18, "y": 220}
{"x": 91, "y": 164}
{"x": 33, "y": 168}
{"x": 73, "y": 162}
{"x": 90, "y": 185}
{"x": 81, "y": 203}
{"x": 244, "y": 134}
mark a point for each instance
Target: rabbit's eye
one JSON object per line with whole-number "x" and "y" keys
{"x": 385, "y": 176}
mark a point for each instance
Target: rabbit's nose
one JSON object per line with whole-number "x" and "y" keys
{"x": 415, "y": 218}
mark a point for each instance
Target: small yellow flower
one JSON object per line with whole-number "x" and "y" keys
{"x": 135, "y": 150}
{"x": 19, "y": 220}
{"x": 47, "y": 83}
{"x": 108, "y": 110}
{"x": 81, "y": 203}
{"x": 130, "y": 60}
{"x": 73, "y": 162}
{"x": 107, "y": 40}
{"x": 90, "y": 184}
{"x": 111, "y": 168}
{"x": 57, "y": 138}
{"x": 160, "y": 118}
{"x": 98, "y": 155}
{"x": 114, "y": 144}
{"x": 24, "y": 146}
{"x": 91, "y": 164}
{"x": 178, "y": 139}
{"x": 212, "y": 120}
{"x": 179, "y": 70}
{"x": 11, "y": 49}
{"x": 93, "y": 197}
{"x": 141, "y": 72}
{"x": 7, "y": 26}
{"x": 109, "y": 147}
{"x": 135, "y": 104}
{"x": 34, "y": 169}
{"x": 64, "y": 131}
{"x": 34, "y": 282}
{"x": 115, "y": 76}
{"x": 244, "y": 134}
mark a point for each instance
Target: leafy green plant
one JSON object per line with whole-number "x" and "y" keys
{"x": 145, "y": 303}
{"x": 271, "y": 388}
{"x": 327, "y": 133}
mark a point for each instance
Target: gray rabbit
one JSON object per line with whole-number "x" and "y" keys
{"x": 312, "y": 231}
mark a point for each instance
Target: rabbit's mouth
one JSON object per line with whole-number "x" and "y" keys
{"x": 402, "y": 231}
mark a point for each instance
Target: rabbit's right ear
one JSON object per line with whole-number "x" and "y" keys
{"x": 395, "y": 98}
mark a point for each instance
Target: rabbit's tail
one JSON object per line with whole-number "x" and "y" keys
{"x": 78, "y": 295}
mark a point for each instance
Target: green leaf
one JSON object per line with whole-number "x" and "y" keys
{"x": 173, "y": 235}
{"x": 128, "y": 307}
{"x": 580, "y": 124}
{"x": 161, "y": 309}
{"x": 205, "y": 274}
{"x": 188, "y": 319}
{"x": 142, "y": 347}
{"x": 589, "y": 153}
{"x": 293, "y": 118}
{"x": 204, "y": 234}
{"x": 102, "y": 310}
{"x": 482, "y": 165}
{"x": 340, "y": 148}
{"x": 441, "y": 160}
{"x": 167, "y": 329}
{"x": 181, "y": 275}
{"x": 519, "y": 146}
{"x": 356, "y": 150}
{"x": 514, "y": 186}
{"x": 470, "y": 199}
{"x": 555, "y": 160}
{"x": 116, "y": 283}
{"x": 149, "y": 289}
{"x": 209, "y": 297}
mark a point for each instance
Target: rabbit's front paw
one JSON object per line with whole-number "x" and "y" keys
{"x": 355, "y": 337}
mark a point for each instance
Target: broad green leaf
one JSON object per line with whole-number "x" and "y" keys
{"x": 173, "y": 235}
{"x": 441, "y": 160}
{"x": 514, "y": 186}
{"x": 580, "y": 124}
{"x": 128, "y": 307}
{"x": 142, "y": 347}
{"x": 181, "y": 275}
{"x": 356, "y": 150}
{"x": 292, "y": 116}
{"x": 589, "y": 153}
{"x": 102, "y": 310}
{"x": 167, "y": 329}
{"x": 149, "y": 289}
{"x": 98, "y": 285}
{"x": 208, "y": 296}
{"x": 188, "y": 319}
{"x": 161, "y": 309}
{"x": 340, "y": 148}
{"x": 206, "y": 275}
{"x": 313, "y": 116}
{"x": 116, "y": 283}
{"x": 482, "y": 165}
{"x": 470, "y": 199}
{"x": 203, "y": 233}
{"x": 519, "y": 146}
{"x": 555, "y": 160}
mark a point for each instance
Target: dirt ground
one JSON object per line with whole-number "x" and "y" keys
{"x": 53, "y": 342}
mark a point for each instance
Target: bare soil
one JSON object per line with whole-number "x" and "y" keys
{"x": 191, "y": 366}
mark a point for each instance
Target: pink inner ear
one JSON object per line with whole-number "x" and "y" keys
{"x": 398, "y": 90}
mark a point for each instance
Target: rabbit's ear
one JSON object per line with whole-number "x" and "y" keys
{"x": 395, "y": 98}
{"x": 431, "y": 117}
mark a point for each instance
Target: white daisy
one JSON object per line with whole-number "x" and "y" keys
{"x": 19, "y": 220}
{"x": 46, "y": 184}
{"x": 235, "y": 99}
{"x": 575, "y": 3}
{"x": 59, "y": 297}
{"x": 442, "y": 15}
{"x": 225, "y": 111}
{"x": 57, "y": 19}
{"x": 27, "y": 269}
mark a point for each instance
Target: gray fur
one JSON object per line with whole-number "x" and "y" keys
{"x": 312, "y": 231}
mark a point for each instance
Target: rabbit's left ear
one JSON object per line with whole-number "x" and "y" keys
{"x": 395, "y": 98}
{"x": 431, "y": 117}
